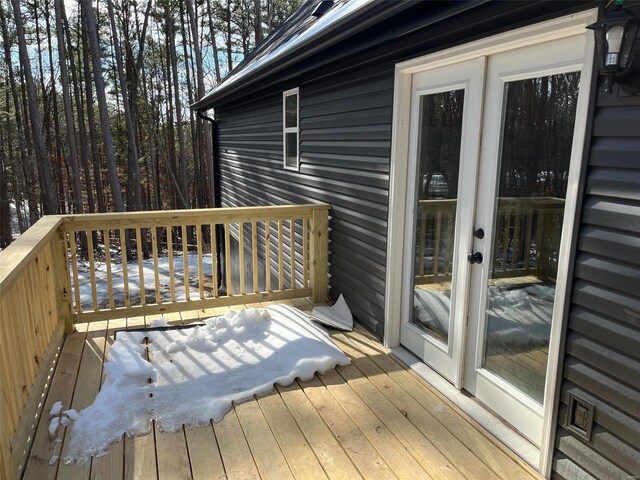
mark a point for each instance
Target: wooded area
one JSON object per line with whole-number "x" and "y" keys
{"x": 73, "y": 141}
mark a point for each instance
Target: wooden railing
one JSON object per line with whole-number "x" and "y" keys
{"x": 263, "y": 253}
{"x": 34, "y": 309}
{"x": 529, "y": 236}
{"x": 528, "y": 230}
{"x": 69, "y": 269}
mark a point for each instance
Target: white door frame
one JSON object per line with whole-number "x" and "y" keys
{"x": 561, "y": 27}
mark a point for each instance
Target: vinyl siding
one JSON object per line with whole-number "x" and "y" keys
{"x": 345, "y": 144}
{"x": 602, "y": 359}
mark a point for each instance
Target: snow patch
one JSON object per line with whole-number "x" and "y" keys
{"x": 53, "y": 459}
{"x": 159, "y": 322}
{"x": 53, "y": 426}
{"x": 337, "y": 316}
{"x": 56, "y": 408}
{"x": 195, "y": 374}
{"x": 71, "y": 413}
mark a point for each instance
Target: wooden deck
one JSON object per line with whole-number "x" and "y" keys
{"x": 372, "y": 419}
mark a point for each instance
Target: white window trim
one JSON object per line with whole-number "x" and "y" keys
{"x": 285, "y": 129}
{"x": 560, "y": 27}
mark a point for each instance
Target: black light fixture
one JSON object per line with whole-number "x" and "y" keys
{"x": 615, "y": 34}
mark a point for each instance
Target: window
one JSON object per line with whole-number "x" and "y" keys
{"x": 290, "y": 130}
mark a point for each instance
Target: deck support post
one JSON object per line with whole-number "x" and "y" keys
{"x": 62, "y": 284}
{"x": 319, "y": 254}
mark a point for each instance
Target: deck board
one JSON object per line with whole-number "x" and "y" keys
{"x": 372, "y": 419}
{"x": 111, "y": 465}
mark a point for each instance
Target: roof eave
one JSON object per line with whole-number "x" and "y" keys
{"x": 366, "y": 17}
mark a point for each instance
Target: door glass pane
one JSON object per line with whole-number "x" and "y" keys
{"x": 539, "y": 116}
{"x": 439, "y": 137}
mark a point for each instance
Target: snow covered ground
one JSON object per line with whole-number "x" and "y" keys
{"x": 101, "y": 280}
{"x": 190, "y": 376}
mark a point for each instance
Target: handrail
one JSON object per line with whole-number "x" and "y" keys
{"x": 285, "y": 248}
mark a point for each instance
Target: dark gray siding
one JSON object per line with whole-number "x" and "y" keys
{"x": 346, "y": 95}
{"x": 345, "y": 135}
{"x": 602, "y": 362}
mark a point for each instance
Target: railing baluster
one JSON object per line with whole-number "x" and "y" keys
{"x": 241, "y": 256}
{"x": 505, "y": 237}
{"x": 156, "y": 273}
{"x": 227, "y": 258}
{"x": 125, "y": 270}
{"x": 292, "y": 249}
{"x": 74, "y": 267}
{"x": 254, "y": 255}
{"x": 280, "y": 259}
{"x": 436, "y": 246}
{"x": 107, "y": 256}
{"x": 527, "y": 239}
{"x": 450, "y": 220}
{"x": 143, "y": 294}
{"x": 185, "y": 263}
{"x": 305, "y": 253}
{"x": 92, "y": 271}
{"x": 200, "y": 266}
{"x": 214, "y": 259}
{"x": 267, "y": 255}
{"x": 172, "y": 281}
{"x": 515, "y": 251}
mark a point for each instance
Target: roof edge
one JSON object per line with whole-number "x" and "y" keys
{"x": 370, "y": 14}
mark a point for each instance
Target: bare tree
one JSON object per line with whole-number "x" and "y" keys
{"x": 94, "y": 46}
{"x": 173, "y": 61}
{"x": 68, "y": 112}
{"x": 50, "y": 202}
{"x": 134, "y": 167}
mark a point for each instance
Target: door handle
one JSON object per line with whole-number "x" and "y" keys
{"x": 475, "y": 257}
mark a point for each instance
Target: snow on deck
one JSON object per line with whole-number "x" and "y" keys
{"x": 190, "y": 376}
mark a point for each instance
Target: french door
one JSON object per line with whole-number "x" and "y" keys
{"x": 490, "y": 151}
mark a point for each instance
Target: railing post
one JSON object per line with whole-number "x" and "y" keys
{"x": 62, "y": 284}
{"x": 319, "y": 254}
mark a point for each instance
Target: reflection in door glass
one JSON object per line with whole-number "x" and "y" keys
{"x": 439, "y": 137}
{"x": 537, "y": 134}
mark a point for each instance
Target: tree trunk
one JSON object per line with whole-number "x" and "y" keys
{"x": 94, "y": 45}
{"x": 257, "y": 22}
{"x": 131, "y": 132}
{"x": 5, "y": 212}
{"x": 212, "y": 39}
{"x": 188, "y": 69}
{"x": 49, "y": 198}
{"x": 184, "y": 186}
{"x": 68, "y": 113}
{"x": 82, "y": 129}
{"x": 91, "y": 120}
{"x": 229, "y": 34}
{"x": 203, "y": 127}
{"x": 25, "y": 160}
{"x": 58, "y": 157}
